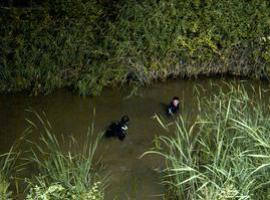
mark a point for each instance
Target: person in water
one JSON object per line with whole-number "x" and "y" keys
{"x": 174, "y": 106}
{"x": 118, "y": 129}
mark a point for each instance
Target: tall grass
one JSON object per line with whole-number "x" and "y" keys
{"x": 8, "y": 168}
{"x": 223, "y": 154}
{"x": 63, "y": 174}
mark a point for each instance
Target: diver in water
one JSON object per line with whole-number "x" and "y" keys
{"x": 118, "y": 129}
{"x": 174, "y": 106}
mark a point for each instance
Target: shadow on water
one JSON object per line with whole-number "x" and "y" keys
{"x": 70, "y": 114}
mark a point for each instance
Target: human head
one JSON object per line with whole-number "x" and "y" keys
{"x": 125, "y": 119}
{"x": 175, "y": 101}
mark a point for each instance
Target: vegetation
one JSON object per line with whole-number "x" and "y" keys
{"x": 64, "y": 175}
{"x": 7, "y": 172}
{"x": 223, "y": 154}
{"x": 44, "y": 47}
{"x": 57, "y": 191}
{"x": 57, "y": 173}
{"x": 88, "y": 44}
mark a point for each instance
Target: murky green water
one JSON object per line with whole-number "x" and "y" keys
{"x": 130, "y": 177}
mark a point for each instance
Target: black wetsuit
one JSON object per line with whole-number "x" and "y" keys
{"x": 172, "y": 109}
{"x": 117, "y": 130}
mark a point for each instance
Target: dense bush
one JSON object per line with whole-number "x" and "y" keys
{"x": 159, "y": 38}
{"x": 88, "y": 44}
{"x": 48, "y": 47}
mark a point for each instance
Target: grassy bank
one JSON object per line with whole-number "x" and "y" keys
{"x": 53, "y": 169}
{"x": 223, "y": 154}
{"x": 86, "y": 45}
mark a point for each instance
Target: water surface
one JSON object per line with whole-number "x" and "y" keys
{"x": 70, "y": 114}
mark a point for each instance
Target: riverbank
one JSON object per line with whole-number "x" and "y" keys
{"x": 88, "y": 45}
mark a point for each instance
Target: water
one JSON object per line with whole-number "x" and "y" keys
{"x": 70, "y": 114}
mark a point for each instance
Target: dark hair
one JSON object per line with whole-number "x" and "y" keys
{"x": 125, "y": 119}
{"x": 176, "y": 98}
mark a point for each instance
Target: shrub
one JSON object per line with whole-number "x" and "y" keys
{"x": 88, "y": 44}
{"x": 57, "y": 191}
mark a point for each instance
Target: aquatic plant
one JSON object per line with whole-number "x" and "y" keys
{"x": 7, "y": 172}
{"x": 223, "y": 153}
{"x": 63, "y": 174}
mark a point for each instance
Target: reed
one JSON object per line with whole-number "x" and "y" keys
{"x": 8, "y": 168}
{"x": 63, "y": 174}
{"x": 223, "y": 154}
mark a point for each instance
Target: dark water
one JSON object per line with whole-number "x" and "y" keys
{"x": 70, "y": 114}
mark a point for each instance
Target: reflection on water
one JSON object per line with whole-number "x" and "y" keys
{"x": 130, "y": 177}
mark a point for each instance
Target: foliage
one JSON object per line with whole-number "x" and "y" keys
{"x": 89, "y": 44}
{"x": 48, "y": 47}
{"x": 57, "y": 191}
{"x": 63, "y": 175}
{"x": 224, "y": 154}
{"x": 7, "y": 171}
{"x": 156, "y": 39}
